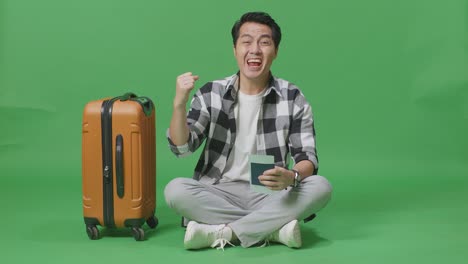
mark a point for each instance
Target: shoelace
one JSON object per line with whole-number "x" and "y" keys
{"x": 220, "y": 243}
{"x": 265, "y": 243}
{"x": 272, "y": 237}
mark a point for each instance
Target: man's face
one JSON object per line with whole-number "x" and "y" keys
{"x": 255, "y": 51}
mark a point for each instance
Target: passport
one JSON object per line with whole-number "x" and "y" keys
{"x": 258, "y": 164}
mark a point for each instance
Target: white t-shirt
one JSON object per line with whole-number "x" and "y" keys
{"x": 246, "y": 112}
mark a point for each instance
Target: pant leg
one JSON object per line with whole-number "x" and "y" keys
{"x": 209, "y": 204}
{"x": 270, "y": 214}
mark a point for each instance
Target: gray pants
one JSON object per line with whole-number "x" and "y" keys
{"x": 251, "y": 215}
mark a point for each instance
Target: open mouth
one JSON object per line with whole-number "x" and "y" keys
{"x": 254, "y": 62}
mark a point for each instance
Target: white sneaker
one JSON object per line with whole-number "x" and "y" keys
{"x": 203, "y": 236}
{"x": 289, "y": 235}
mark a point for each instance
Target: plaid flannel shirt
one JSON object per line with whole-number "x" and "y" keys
{"x": 285, "y": 127}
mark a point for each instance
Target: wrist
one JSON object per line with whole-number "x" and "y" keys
{"x": 180, "y": 101}
{"x": 177, "y": 105}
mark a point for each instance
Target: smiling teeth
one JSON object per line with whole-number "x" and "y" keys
{"x": 255, "y": 60}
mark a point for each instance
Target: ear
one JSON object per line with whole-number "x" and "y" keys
{"x": 234, "y": 50}
{"x": 276, "y": 52}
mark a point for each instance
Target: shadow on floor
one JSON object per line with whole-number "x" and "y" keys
{"x": 311, "y": 239}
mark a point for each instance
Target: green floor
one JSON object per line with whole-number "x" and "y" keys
{"x": 377, "y": 215}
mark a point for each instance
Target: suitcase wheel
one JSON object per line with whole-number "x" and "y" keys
{"x": 93, "y": 232}
{"x": 138, "y": 233}
{"x": 152, "y": 222}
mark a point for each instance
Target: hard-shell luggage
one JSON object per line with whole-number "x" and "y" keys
{"x": 119, "y": 164}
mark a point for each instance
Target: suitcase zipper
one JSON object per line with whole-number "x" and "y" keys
{"x": 106, "y": 131}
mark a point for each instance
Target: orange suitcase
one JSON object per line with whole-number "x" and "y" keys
{"x": 119, "y": 164}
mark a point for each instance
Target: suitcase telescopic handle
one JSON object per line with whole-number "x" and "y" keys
{"x": 119, "y": 165}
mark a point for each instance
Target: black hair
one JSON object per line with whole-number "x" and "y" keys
{"x": 261, "y": 18}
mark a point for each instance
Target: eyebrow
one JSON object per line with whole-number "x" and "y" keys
{"x": 250, "y": 36}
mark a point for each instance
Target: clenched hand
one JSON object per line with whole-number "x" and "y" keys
{"x": 184, "y": 84}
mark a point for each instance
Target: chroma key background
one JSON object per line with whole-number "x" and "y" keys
{"x": 388, "y": 82}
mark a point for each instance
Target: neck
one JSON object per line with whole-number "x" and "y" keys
{"x": 253, "y": 86}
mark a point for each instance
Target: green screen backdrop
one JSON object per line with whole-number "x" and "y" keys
{"x": 387, "y": 80}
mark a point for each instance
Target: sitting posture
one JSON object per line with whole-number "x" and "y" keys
{"x": 250, "y": 112}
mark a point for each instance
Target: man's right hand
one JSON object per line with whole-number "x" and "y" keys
{"x": 184, "y": 84}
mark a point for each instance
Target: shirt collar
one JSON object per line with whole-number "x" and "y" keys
{"x": 233, "y": 85}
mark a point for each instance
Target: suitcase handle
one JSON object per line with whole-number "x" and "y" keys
{"x": 127, "y": 96}
{"x": 119, "y": 165}
{"x": 145, "y": 103}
